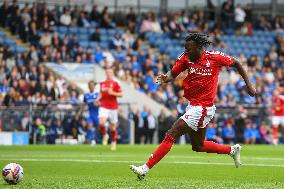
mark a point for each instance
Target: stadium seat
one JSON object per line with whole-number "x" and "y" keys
{"x": 84, "y": 44}
{"x": 73, "y": 30}
{"x": 2, "y": 34}
{"x": 104, "y": 45}
{"x": 83, "y": 31}
{"x": 93, "y": 45}
{"x": 104, "y": 38}
{"x": 91, "y": 30}
{"x": 8, "y": 41}
{"x": 111, "y": 32}
{"x": 103, "y": 31}
{"x": 62, "y": 29}
{"x": 83, "y": 37}
{"x": 20, "y": 49}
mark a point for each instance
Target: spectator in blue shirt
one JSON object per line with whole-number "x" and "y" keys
{"x": 211, "y": 133}
{"x": 228, "y": 134}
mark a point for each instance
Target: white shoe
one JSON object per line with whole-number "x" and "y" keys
{"x": 236, "y": 154}
{"x": 105, "y": 139}
{"x": 93, "y": 143}
{"x": 139, "y": 171}
{"x": 113, "y": 146}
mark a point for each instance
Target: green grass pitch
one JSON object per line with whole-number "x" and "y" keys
{"x": 68, "y": 167}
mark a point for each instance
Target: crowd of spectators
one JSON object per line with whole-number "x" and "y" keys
{"x": 24, "y": 80}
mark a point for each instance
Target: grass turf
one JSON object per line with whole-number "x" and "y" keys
{"x": 98, "y": 167}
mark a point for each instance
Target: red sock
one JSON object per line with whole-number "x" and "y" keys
{"x": 161, "y": 151}
{"x": 113, "y": 135}
{"x": 275, "y": 132}
{"x": 103, "y": 130}
{"x": 212, "y": 147}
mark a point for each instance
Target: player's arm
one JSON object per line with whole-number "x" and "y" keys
{"x": 242, "y": 72}
{"x": 165, "y": 78}
{"x": 115, "y": 90}
{"x": 114, "y": 93}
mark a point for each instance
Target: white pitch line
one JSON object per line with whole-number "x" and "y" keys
{"x": 129, "y": 162}
{"x": 127, "y": 156}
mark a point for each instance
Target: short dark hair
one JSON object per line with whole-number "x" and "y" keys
{"x": 199, "y": 38}
{"x": 92, "y": 82}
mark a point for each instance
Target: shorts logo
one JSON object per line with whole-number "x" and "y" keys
{"x": 186, "y": 116}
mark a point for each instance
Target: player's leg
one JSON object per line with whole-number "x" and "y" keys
{"x": 178, "y": 129}
{"x": 275, "y": 124}
{"x": 199, "y": 144}
{"x": 103, "y": 115}
{"x": 113, "y": 118}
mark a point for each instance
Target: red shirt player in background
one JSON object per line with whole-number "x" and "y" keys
{"x": 200, "y": 88}
{"x": 277, "y": 114}
{"x": 110, "y": 90}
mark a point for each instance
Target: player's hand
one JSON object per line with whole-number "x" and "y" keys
{"x": 97, "y": 103}
{"x": 162, "y": 78}
{"x": 251, "y": 90}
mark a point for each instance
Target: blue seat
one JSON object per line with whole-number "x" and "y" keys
{"x": 173, "y": 55}
{"x": 84, "y": 44}
{"x": 152, "y": 41}
{"x": 83, "y": 37}
{"x": 162, "y": 48}
{"x": 2, "y": 34}
{"x": 83, "y": 31}
{"x": 73, "y": 30}
{"x": 61, "y": 35}
{"x": 62, "y": 29}
{"x": 91, "y": 31}
{"x": 8, "y": 41}
{"x": 103, "y": 31}
{"x": 20, "y": 49}
{"x": 111, "y": 32}
{"x": 93, "y": 45}
{"x": 104, "y": 38}
{"x": 104, "y": 45}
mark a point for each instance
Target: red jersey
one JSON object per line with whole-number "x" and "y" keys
{"x": 278, "y": 106}
{"x": 109, "y": 101}
{"x": 200, "y": 85}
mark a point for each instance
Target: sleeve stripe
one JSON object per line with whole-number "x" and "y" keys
{"x": 180, "y": 56}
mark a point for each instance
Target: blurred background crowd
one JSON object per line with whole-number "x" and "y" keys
{"x": 98, "y": 36}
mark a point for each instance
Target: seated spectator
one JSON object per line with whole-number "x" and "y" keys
{"x": 155, "y": 25}
{"x": 265, "y": 134}
{"x": 96, "y": 36}
{"x": 83, "y": 21}
{"x": 131, "y": 20}
{"x": 117, "y": 40}
{"x": 175, "y": 27}
{"x": 146, "y": 25}
{"x": 106, "y": 21}
{"x": 249, "y": 136}
{"x": 211, "y": 133}
{"x": 65, "y": 19}
{"x": 45, "y": 40}
{"x": 95, "y": 15}
{"x": 228, "y": 134}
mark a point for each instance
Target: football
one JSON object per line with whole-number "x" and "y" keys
{"x": 13, "y": 173}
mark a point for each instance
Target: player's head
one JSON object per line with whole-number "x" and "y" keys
{"x": 194, "y": 44}
{"x": 91, "y": 86}
{"x": 109, "y": 73}
{"x": 276, "y": 92}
